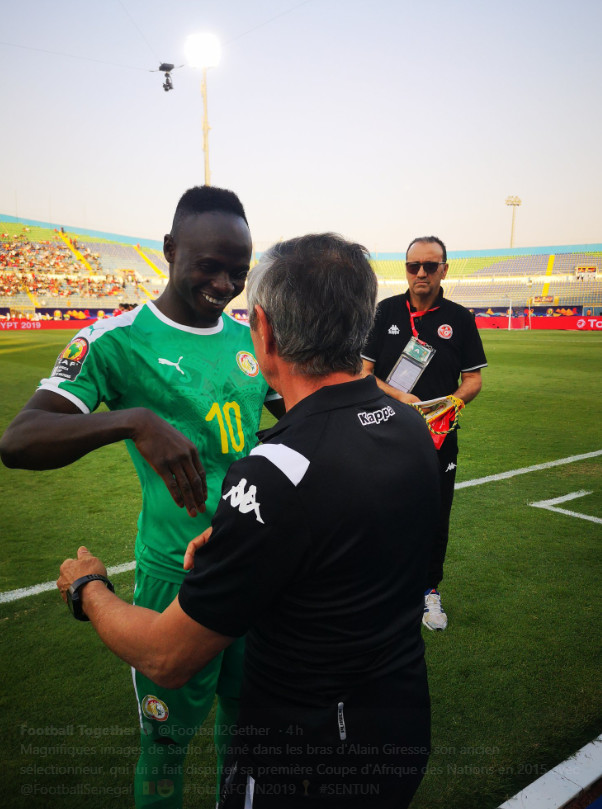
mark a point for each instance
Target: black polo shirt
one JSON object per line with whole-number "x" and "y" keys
{"x": 448, "y": 327}
{"x": 319, "y": 550}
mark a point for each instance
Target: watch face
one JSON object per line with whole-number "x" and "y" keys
{"x": 75, "y": 604}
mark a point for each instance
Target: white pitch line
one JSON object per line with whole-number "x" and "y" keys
{"x": 550, "y": 505}
{"x": 23, "y": 592}
{"x": 13, "y": 595}
{"x": 562, "y": 783}
{"x": 525, "y": 470}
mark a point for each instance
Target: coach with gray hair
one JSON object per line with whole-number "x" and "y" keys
{"x": 318, "y": 553}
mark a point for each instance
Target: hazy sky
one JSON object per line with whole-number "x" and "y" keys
{"x": 378, "y": 119}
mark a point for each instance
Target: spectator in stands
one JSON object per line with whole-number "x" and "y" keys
{"x": 453, "y": 351}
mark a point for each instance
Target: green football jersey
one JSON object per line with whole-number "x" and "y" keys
{"x": 204, "y": 382}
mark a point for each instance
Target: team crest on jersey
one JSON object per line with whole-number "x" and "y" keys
{"x": 445, "y": 331}
{"x": 69, "y": 361}
{"x": 247, "y": 363}
{"x": 154, "y": 708}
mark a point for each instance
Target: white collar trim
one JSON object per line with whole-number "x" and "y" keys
{"x": 191, "y": 329}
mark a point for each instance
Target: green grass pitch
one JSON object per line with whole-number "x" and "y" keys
{"x": 515, "y": 680}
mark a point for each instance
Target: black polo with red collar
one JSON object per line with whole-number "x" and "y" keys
{"x": 448, "y": 327}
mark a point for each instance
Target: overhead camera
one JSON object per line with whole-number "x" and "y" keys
{"x": 166, "y": 67}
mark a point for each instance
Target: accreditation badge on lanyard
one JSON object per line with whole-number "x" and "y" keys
{"x": 413, "y": 359}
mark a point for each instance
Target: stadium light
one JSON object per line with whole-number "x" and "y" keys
{"x": 515, "y": 202}
{"x": 202, "y": 52}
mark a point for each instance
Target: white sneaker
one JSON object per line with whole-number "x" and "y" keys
{"x": 433, "y": 617}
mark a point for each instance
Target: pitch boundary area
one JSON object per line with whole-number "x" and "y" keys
{"x": 24, "y": 592}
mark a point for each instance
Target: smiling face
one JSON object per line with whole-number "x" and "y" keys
{"x": 209, "y": 256}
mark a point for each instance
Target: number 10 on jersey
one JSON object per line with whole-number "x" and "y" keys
{"x": 225, "y": 416}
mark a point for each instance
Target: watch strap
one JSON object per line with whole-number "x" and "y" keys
{"x": 73, "y": 594}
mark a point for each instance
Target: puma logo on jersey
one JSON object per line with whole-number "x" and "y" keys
{"x": 244, "y": 501}
{"x": 175, "y": 364}
{"x": 450, "y": 467}
{"x": 393, "y": 329}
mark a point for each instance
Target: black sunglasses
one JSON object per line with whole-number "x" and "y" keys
{"x": 429, "y": 266}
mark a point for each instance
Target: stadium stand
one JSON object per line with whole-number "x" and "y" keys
{"x": 45, "y": 266}
{"x": 41, "y": 268}
{"x": 485, "y": 282}
{"x": 158, "y": 259}
{"x": 117, "y": 257}
{"x": 523, "y": 266}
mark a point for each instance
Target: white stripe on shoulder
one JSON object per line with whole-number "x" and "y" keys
{"x": 109, "y": 324}
{"x": 289, "y": 461}
{"x": 53, "y": 385}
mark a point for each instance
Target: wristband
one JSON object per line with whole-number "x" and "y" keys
{"x": 74, "y": 600}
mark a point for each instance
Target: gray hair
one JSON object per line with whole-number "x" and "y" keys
{"x": 319, "y": 295}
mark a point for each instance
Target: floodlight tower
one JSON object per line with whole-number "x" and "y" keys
{"x": 203, "y": 51}
{"x": 515, "y": 202}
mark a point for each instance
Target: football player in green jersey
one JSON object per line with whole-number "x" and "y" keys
{"x": 184, "y": 390}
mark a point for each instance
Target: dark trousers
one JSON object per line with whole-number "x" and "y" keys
{"x": 447, "y": 456}
{"x": 378, "y": 764}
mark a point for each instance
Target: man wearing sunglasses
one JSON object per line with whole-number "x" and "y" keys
{"x": 443, "y": 335}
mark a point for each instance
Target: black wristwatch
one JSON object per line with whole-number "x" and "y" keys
{"x": 74, "y": 598}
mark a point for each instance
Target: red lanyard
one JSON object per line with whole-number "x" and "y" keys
{"x": 414, "y": 315}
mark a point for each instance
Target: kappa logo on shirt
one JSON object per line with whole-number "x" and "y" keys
{"x": 376, "y": 417}
{"x": 451, "y": 467}
{"x": 244, "y": 500}
{"x": 393, "y": 329}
